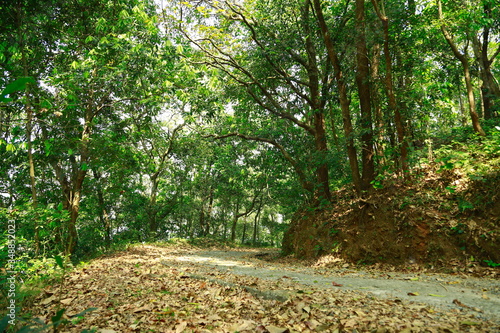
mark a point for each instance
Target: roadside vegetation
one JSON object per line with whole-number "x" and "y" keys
{"x": 367, "y": 132}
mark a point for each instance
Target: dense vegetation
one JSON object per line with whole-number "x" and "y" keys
{"x": 130, "y": 121}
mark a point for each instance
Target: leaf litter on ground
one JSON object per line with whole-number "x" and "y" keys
{"x": 145, "y": 290}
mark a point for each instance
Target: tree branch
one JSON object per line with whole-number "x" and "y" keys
{"x": 300, "y": 173}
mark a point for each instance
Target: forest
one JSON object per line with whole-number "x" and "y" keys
{"x": 251, "y": 122}
{"x": 367, "y": 131}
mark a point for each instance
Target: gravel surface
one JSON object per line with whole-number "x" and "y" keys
{"x": 480, "y": 296}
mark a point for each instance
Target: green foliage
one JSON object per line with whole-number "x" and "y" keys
{"x": 318, "y": 249}
{"x": 125, "y": 110}
{"x": 336, "y": 247}
{"x": 491, "y": 263}
{"x": 377, "y": 183}
{"x": 56, "y": 324}
{"x": 17, "y": 85}
{"x": 459, "y": 229}
{"x": 477, "y": 157}
{"x": 333, "y": 231}
{"x": 465, "y": 205}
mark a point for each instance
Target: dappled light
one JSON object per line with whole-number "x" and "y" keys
{"x": 172, "y": 289}
{"x": 249, "y": 166}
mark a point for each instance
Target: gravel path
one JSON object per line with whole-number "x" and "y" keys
{"x": 480, "y": 296}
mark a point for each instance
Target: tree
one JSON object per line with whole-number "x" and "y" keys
{"x": 83, "y": 99}
{"x": 248, "y": 61}
{"x": 462, "y": 57}
{"x": 486, "y": 20}
{"x": 391, "y": 96}
{"x": 157, "y": 145}
{"x": 343, "y": 96}
{"x": 24, "y": 59}
{"x": 363, "y": 84}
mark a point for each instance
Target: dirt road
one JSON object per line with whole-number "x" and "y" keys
{"x": 480, "y": 296}
{"x": 182, "y": 289}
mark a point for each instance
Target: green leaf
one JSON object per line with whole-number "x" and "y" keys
{"x": 59, "y": 262}
{"x": 48, "y": 147}
{"x": 17, "y": 85}
{"x": 84, "y": 166}
{"x": 10, "y": 147}
{"x": 3, "y": 324}
{"x": 56, "y": 320}
{"x": 124, "y": 14}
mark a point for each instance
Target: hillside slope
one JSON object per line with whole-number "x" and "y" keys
{"x": 447, "y": 214}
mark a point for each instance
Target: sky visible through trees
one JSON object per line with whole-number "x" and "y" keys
{"x": 137, "y": 120}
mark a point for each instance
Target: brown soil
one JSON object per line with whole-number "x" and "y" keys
{"x": 437, "y": 219}
{"x": 174, "y": 289}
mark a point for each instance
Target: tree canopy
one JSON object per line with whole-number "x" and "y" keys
{"x": 135, "y": 120}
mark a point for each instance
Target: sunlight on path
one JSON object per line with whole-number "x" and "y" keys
{"x": 419, "y": 289}
{"x": 211, "y": 261}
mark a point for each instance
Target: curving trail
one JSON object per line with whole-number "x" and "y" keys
{"x": 178, "y": 288}
{"x": 480, "y": 296}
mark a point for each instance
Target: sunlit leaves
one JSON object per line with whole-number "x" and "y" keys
{"x": 15, "y": 86}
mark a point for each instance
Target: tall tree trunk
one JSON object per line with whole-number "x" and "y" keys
{"x": 343, "y": 98}
{"x": 74, "y": 209}
{"x": 209, "y": 210}
{"x": 465, "y": 65}
{"x": 224, "y": 224}
{"x": 391, "y": 96}
{"x": 322, "y": 149}
{"x": 378, "y": 114}
{"x": 78, "y": 176}
{"x": 71, "y": 186}
{"x": 152, "y": 207}
{"x": 490, "y": 89}
{"x": 256, "y": 224}
{"x": 29, "y": 125}
{"x": 103, "y": 214}
{"x": 236, "y": 216}
{"x": 363, "y": 84}
{"x": 243, "y": 236}
{"x": 470, "y": 96}
{"x": 322, "y": 177}
{"x": 201, "y": 219}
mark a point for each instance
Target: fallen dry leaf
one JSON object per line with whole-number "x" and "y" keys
{"x": 67, "y": 301}
{"x": 457, "y": 302}
{"x": 274, "y": 329}
{"x": 48, "y": 300}
{"x": 180, "y": 296}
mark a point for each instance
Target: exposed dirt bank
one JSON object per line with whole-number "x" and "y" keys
{"x": 439, "y": 218}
